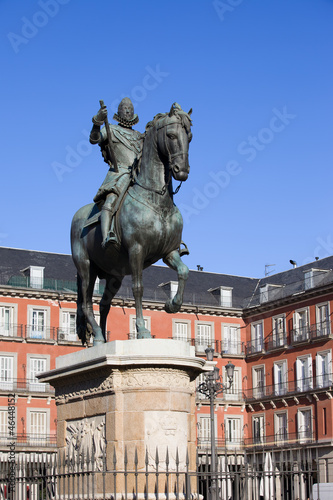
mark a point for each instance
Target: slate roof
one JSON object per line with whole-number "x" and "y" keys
{"x": 246, "y": 291}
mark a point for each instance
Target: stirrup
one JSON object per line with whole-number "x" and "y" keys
{"x": 183, "y": 251}
{"x": 111, "y": 239}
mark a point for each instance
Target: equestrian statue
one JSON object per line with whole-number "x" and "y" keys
{"x": 134, "y": 221}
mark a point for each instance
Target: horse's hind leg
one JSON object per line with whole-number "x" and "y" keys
{"x": 174, "y": 261}
{"x": 111, "y": 288}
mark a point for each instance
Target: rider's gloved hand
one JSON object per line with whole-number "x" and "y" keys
{"x": 99, "y": 118}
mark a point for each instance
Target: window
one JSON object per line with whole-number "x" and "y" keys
{"x": 304, "y": 373}
{"x": 301, "y": 330}
{"x": 304, "y": 425}
{"x": 323, "y": 320}
{"x": 3, "y": 424}
{"x": 235, "y": 391}
{"x": 68, "y": 326}
{"x": 204, "y": 336}
{"x": 280, "y": 377}
{"x": 279, "y": 331}
{"x": 7, "y": 315}
{"x": 133, "y": 332}
{"x": 258, "y": 375}
{"x": 233, "y": 426}
{"x": 257, "y": 337}
{"x": 39, "y": 322}
{"x": 38, "y": 426}
{"x": 280, "y": 423}
{"x": 258, "y": 426}
{"x": 36, "y": 276}
{"x": 181, "y": 330}
{"x": 324, "y": 369}
{"x": 226, "y": 297}
{"x": 37, "y": 365}
{"x": 231, "y": 339}
{"x": 6, "y": 372}
{"x": 204, "y": 435}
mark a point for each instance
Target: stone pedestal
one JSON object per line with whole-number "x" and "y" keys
{"x": 134, "y": 395}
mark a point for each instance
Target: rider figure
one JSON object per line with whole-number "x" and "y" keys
{"x": 127, "y": 148}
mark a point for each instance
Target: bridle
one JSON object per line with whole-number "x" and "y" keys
{"x": 171, "y": 157}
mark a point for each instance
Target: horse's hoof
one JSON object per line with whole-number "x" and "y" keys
{"x": 171, "y": 307}
{"x": 144, "y": 334}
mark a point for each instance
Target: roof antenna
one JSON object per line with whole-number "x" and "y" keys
{"x": 267, "y": 272}
{"x": 199, "y": 267}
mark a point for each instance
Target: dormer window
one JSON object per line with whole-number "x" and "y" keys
{"x": 312, "y": 277}
{"x": 36, "y": 276}
{"x": 224, "y": 294}
{"x": 170, "y": 288}
{"x": 268, "y": 292}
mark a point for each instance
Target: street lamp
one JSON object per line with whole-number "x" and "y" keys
{"x": 211, "y": 387}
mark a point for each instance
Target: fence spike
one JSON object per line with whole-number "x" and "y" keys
{"x": 187, "y": 458}
{"x": 156, "y": 456}
{"x": 125, "y": 457}
{"x": 177, "y": 457}
{"x": 136, "y": 460}
{"x": 114, "y": 457}
{"x": 167, "y": 462}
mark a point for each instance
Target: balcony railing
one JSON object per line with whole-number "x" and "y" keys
{"x": 290, "y": 387}
{"x": 255, "y": 347}
{"x": 276, "y": 340}
{"x": 29, "y": 440}
{"x": 229, "y": 348}
{"x": 20, "y": 385}
{"x": 280, "y": 438}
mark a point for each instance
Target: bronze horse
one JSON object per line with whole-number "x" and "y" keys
{"x": 150, "y": 228}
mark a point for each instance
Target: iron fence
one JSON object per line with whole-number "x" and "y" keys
{"x": 282, "y": 474}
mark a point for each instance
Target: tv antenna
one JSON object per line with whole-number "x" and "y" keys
{"x": 267, "y": 271}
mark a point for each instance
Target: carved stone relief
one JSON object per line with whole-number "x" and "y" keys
{"x": 166, "y": 430}
{"x": 86, "y": 437}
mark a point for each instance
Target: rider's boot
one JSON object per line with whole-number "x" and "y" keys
{"x": 107, "y": 224}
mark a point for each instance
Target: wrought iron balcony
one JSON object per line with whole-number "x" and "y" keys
{"x": 29, "y": 440}
{"x": 256, "y": 346}
{"x": 22, "y": 385}
{"x": 291, "y": 387}
{"x": 276, "y": 340}
{"x": 232, "y": 348}
{"x": 280, "y": 438}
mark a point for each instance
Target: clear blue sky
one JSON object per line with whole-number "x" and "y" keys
{"x": 258, "y": 75}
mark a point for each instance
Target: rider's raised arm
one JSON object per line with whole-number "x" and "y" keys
{"x": 98, "y": 121}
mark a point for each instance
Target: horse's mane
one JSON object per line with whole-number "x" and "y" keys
{"x": 184, "y": 118}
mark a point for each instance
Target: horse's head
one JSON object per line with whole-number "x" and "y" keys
{"x": 173, "y": 138}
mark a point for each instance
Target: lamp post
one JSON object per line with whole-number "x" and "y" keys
{"x": 211, "y": 387}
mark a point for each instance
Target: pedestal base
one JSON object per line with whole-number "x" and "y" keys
{"x": 127, "y": 401}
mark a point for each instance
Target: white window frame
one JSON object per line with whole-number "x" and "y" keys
{"x": 257, "y": 341}
{"x": 39, "y": 333}
{"x": 38, "y": 438}
{"x": 230, "y": 334}
{"x": 279, "y": 330}
{"x": 260, "y": 439}
{"x": 280, "y": 382}
{"x": 34, "y": 384}
{"x": 226, "y": 296}
{"x": 281, "y": 434}
{"x": 204, "y": 433}
{"x": 9, "y": 330}
{"x": 235, "y": 439}
{"x": 301, "y": 330}
{"x": 133, "y": 332}
{"x": 258, "y": 385}
{"x": 186, "y": 337}
{"x": 304, "y": 435}
{"x": 66, "y": 332}
{"x": 36, "y": 276}
{"x": 235, "y": 391}
{"x": 324, "y": 379}
{"x": 8, "y": 380}
{"x": 304, "y": 373}
{"x": 323, "y": 326}
{"x": 201, "y": 344}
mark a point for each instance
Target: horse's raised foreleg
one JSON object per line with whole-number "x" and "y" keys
{"x": 136, "y": 263}
{"x": 111, "y": 288}
{"x": 174, "y": 261}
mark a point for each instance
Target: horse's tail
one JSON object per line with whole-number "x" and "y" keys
{"x": 83, "y": 329}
